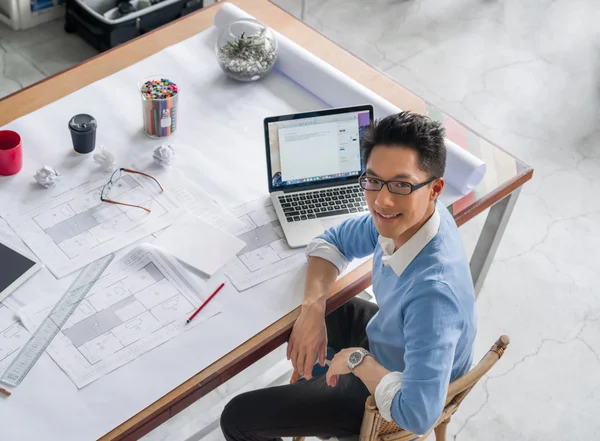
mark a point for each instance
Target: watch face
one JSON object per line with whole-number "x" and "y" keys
{"x": 354, "y": 358}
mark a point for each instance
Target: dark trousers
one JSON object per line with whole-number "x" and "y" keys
{"x": 307, "y": 408}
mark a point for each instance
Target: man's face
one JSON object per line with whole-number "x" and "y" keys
{"x": 399, "y": 216}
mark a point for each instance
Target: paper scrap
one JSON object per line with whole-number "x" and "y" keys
{"x": 199, "y": 244}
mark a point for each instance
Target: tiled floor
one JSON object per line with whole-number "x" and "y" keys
{"x": 31, "y": 55}
{"x": 526, "y": 75}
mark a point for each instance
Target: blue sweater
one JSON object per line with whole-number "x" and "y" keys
{"x": 426, "y": 324}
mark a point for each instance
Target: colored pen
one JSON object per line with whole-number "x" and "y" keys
{"x": 5, "y": 392}
{"x": 205, "y": 302}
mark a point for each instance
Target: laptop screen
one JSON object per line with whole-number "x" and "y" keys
{"x": 316, "y": 147}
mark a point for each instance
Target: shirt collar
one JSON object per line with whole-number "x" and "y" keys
{"x": 403, "y": 256}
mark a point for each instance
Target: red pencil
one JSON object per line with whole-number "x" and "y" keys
{"x": 205, "y": 302}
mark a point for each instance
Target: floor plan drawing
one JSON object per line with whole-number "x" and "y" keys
{"x": 76, "y": 228}
{"x": 267, "y": 253}
{"x": 13, "y": 336}
{"x": 141, "y": 304}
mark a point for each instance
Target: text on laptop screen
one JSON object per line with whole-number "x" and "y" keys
{"x": 316, "y": 149}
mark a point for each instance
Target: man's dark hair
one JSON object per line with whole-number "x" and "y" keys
{"x": 406, "y": 129}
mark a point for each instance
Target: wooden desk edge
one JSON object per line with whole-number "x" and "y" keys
{"x": 491, "y": 198}
{"x": 234, "y": 362}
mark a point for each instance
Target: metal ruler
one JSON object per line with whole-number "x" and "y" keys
{"x": 52, "y": 324}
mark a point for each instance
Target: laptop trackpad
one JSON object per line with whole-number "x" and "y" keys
{"x": 331, "y": 222}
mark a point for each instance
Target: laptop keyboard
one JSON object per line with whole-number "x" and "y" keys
{"x": 323, "y": 203}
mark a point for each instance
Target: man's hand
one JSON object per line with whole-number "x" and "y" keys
{"x": 339, "y": 366}
{"x": 369, "y": 371}
{"x": 308, "y": 338}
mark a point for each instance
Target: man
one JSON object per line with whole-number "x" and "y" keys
{"x": 420, "y": 336}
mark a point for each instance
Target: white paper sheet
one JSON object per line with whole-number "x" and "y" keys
{"x": 198, "y": 203}
{"x": 77, "y": 228}
{"x": 266, "y": 254}
{"x": 142, "y": 304}
{"x": 30, "y": 292}
{"x": 463, "y": 170}
{"x": 199, "y": 244}
{"x": 13, "y": 336}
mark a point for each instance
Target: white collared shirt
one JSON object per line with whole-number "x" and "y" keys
{"x": 400, "y": 259}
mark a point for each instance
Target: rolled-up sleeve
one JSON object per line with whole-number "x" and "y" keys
{"x": 321, "y": 248}
{"x": 386, "y": 391}
{"x": 353, "y": 238}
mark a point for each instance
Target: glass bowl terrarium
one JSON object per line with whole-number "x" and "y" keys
{"x": 246, "y": 50}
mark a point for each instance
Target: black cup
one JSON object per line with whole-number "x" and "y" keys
{"x": 83, "y": 133}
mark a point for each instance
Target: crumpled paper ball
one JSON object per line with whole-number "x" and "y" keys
{"x": 106, "y": 159}
{"x": 164, "y": 155}
{"x": 46, "y": 176}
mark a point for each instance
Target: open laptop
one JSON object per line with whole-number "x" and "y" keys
{"x": 313, "y": 165}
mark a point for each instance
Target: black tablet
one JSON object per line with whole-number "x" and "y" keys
{"x": 15, "y": 269}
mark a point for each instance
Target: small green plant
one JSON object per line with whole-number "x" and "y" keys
{"x": 238, "y": 46}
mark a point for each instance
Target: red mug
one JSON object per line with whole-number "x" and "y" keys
{"x": 11, "y": 153}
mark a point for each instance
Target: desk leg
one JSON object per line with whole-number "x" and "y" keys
{"x": 490, "y": 237}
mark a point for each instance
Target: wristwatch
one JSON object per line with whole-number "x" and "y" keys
{"x": 357, "y": 358}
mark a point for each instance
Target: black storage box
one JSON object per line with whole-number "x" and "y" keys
{"x": 102, "y": 24}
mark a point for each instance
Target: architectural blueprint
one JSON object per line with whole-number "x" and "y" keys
{"x": 13, "y": 336}
{"x": 142, "y": 303}
{"x": 199, "y": 203}
{"x": 77, "y": 228}
{"x": 267, "y": 253}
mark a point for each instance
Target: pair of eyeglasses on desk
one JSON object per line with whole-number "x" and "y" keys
{"x": 117, "y": 175}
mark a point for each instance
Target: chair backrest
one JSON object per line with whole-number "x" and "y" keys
{"x": 375, "y": 427}
{"x": 459, "y": 388}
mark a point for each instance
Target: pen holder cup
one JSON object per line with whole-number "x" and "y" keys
{"x": 159, "y": 106}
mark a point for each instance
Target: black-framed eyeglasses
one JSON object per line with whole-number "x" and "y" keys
{"x": 114, "y": 181}
{"x": 397, "y": 187}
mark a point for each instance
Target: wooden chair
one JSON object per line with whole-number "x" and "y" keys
{"x": 375, "y": 428}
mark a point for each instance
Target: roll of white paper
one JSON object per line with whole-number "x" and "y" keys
{"x": 463, "y": 170}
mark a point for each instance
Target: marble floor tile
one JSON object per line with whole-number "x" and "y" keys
{"x": 45, "y": 32}
{"x": 4, "y": 30}
{"x": 56, "y": 55}
{"x": 525, "y": 75}
{"x": 7, "y": 85}
{"x": 16, "y": 68}
{"x": 534, "y": 401}
{"x": 31, "y": 55}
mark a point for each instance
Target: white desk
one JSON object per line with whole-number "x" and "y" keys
{"x": 134, "y": 399}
